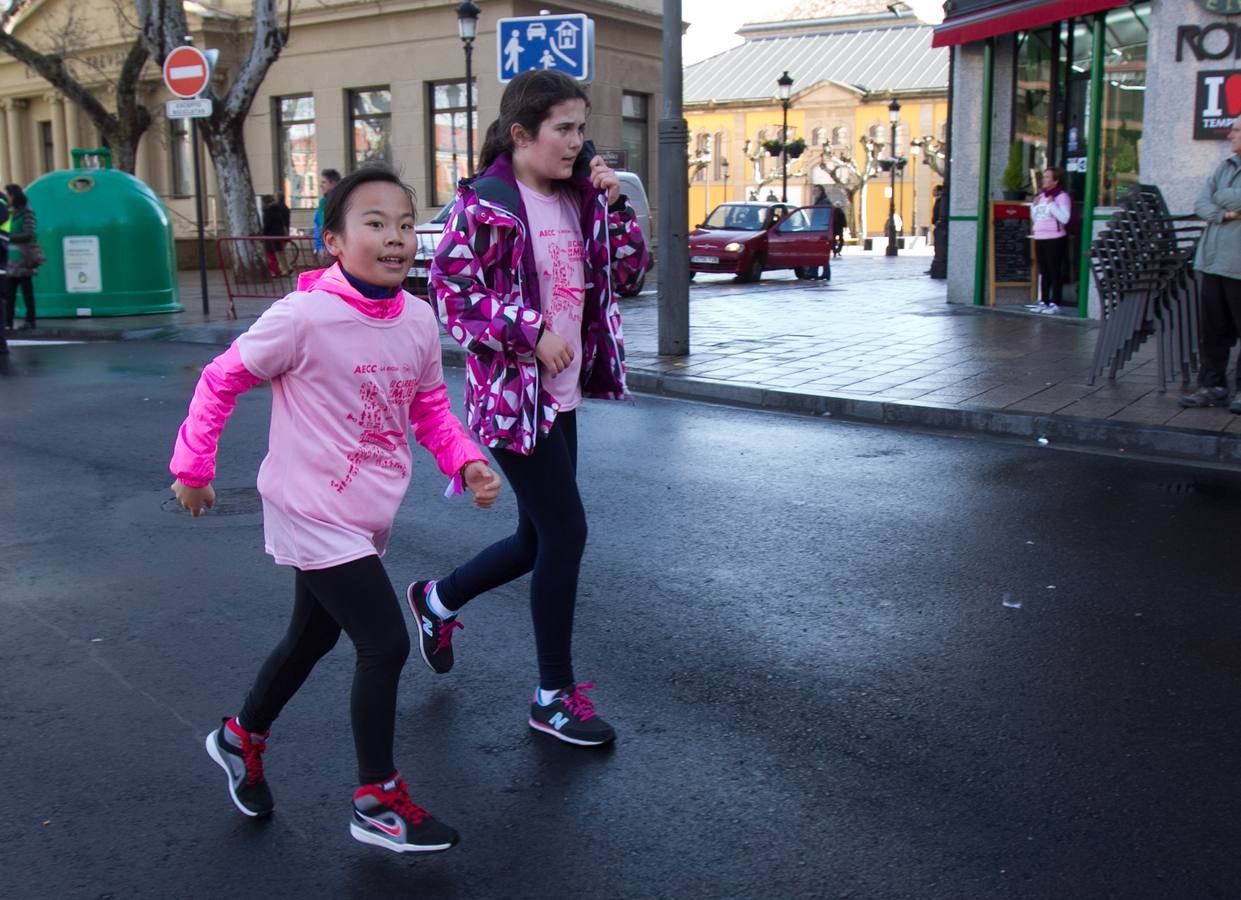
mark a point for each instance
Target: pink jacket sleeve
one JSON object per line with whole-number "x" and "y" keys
{"x": 215, "y": 398}
{"x": 438, "y": 430}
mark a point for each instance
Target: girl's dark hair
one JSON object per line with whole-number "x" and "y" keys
{"x": 337, "y": 204}
{"x": 16, "y": 195}
{"x": 526, "y": 102}
{"x": 1056, "y": 174}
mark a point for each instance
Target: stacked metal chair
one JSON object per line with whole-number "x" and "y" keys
{"x": 1143, "y": 268}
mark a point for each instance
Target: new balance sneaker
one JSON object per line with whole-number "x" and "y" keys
{"x": 384, "y": 816}
{"x": 243, "y": 763}
{"x": 1049, "y": 309}
{"x": 570, "y": 716}
{"x": 434, "y": 633}
{"x": 1205, "y": 396}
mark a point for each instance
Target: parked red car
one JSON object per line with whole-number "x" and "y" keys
{"x": 748, "y": 239}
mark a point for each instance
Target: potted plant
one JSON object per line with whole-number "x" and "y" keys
{"x": 795, "y": 148}
{"x": 1013, "y": 181}
{"x": 772, "y": 147}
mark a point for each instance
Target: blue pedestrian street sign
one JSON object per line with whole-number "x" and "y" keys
{"x": 565, "y": 43}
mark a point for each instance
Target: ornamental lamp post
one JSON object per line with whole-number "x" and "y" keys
{"x": 785, "y": 89}
{"x": 894, "y": 116}
{"x": 467, "y": 27}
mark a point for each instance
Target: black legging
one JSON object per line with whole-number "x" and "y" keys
{"x": 1049, "y": 253}
{"x": 27, "y": 286}
{"x": 549, "y": 541}
{"x": 358, "y": 597}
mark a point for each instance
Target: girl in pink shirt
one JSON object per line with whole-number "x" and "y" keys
{"x": 354, "y": 364}
{"x": 1049, "y": 220}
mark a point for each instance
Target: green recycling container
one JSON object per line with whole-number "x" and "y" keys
{"x": 107, "y": 239}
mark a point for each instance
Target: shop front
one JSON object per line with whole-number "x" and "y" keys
{"x": 1028, "y": 78}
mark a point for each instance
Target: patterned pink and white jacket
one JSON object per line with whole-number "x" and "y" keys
{"x": 486, "y": 290}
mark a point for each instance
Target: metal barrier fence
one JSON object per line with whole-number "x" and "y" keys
{"x": 263, "y": 268}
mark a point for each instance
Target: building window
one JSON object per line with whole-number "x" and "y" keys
{"x": 297, "y": 176}
{"x": 370, "y": 126}
{"x": 719, "y": 152}
{"x": 47, "y": 149}
{"x": 702, "y": 156}
{"x": 634, "y": 129}
{"x": 448, "y": 152}
{"x": 840, "y": 137}
{"x": 180, "y": 158}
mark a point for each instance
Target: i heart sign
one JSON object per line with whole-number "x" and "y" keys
{"x": 1232, "y": 94}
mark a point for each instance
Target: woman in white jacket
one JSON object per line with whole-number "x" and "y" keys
{"x": 1049, "y": 219}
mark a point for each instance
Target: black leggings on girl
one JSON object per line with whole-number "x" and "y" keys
{"x": 358, "y": 597}
{"x": 549, "y": 541}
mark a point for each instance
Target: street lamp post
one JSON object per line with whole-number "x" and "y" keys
{"x": 724, "y": 169}
{"x": 467, "y": 27}
{"x": 894, "y": 116}
{"x": 785, "y": 85}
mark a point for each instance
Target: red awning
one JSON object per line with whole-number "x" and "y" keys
{"x": 1021, "y": 15}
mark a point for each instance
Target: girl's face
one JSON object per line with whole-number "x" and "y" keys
{"x": 377, "y": 241}
{"x": 1049, "y": 180}
{"x": 549, "y": 155}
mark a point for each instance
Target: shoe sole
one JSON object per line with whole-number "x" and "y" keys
{"x": 422, "y": 648}
{"x": 214, "y": 752}
{"x": 366, "y": 837}
{"x": 547, "y": 729}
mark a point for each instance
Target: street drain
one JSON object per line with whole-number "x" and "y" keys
{"x": 228, "y": 502}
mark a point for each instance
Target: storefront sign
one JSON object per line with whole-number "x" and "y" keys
{"x": 1219, "y": 40}
{"x": 1218, "y": 104}
{"x": 1221, "y": 7}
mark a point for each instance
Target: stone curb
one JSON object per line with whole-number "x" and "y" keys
{"x": 1130, "y": 438}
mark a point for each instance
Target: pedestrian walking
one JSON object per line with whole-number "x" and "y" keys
{"x": 276, "y": 219}
{"x": 1218, "y": 263}
{"x": 24, "y": 255}
{"x": 818, "y": 198}
{"x": 838, "y": 229}
{"x": 328, "y": 179}
{"x": 1049, "y": 222}
{"x": 521, "y": 280}
{"x": 354, "y": 363}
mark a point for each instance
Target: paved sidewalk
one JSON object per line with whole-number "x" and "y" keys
{"x": 877, "y": 344}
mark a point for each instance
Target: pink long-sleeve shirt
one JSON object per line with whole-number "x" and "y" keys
{"x": 350, "y": 378}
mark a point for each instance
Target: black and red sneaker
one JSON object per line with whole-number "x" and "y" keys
{"x": 243, "y": 763}
{"x": 385, "y": 816}
{"x": 570, "y": 716}
{"x": 434, "y": 633}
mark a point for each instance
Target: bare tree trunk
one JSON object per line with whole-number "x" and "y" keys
{"x": 163, "y": 28}
{"x": 121, "y": 130}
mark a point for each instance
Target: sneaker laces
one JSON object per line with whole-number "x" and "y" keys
{"x": 252, "y": 756}
{"x": 447, "y": 626}
{"x": 578, "y": 703}
{"x": 398, "y": 799}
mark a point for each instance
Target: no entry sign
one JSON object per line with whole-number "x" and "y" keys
{"x": 186, "y": 72}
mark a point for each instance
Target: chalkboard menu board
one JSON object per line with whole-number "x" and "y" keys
{"x": 1009, "y": 260}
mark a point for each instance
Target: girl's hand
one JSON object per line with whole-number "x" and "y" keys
{"x": 192, "y": 498}
{"x": 483, "y": 483}
{"x": 553, "y": 351}
{"x": 604, "y": 179}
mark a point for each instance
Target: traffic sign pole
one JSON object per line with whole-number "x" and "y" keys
{"x": 198, "y": 209}
{"x": 187, "y": 72}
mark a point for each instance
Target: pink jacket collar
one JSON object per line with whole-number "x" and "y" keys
{"x": 333, "y": 281}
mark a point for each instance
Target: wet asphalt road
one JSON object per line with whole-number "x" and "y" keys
{"x": 798, "y": 627}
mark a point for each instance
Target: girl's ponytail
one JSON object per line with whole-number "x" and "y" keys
{"x": 495, "y": 142}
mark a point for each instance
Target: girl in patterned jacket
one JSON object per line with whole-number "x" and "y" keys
{"x": 521, "y": 279}
{"x": 354, "y": 364}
